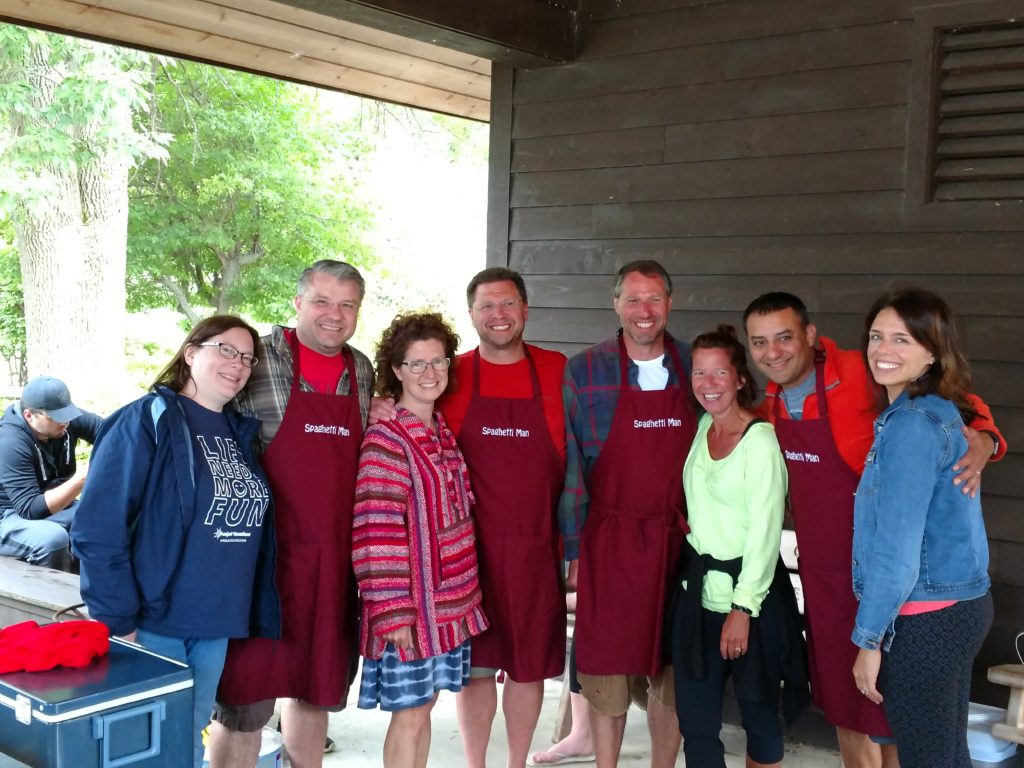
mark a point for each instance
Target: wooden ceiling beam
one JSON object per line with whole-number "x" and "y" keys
{"x": 295, "y": 48}
{"x": 524, "y": 33}
{"x": 307, "y": 42}
{"x": 333, "y": 26}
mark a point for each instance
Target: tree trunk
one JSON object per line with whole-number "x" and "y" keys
{"x": 73, "y": 266}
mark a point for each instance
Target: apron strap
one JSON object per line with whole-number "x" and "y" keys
{"x": 819, "y": 382}
{"x": 346, "y": 353}
{"x": 819, "y": 388}
{"x": 670, "y": 350}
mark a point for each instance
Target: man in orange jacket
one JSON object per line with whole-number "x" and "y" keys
{"x": 823, "y": 404}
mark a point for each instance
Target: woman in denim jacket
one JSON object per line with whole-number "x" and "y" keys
{"x": 920, "y": 553}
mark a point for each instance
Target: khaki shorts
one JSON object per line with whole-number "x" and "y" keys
{"x": 252, "y": 717}
{"x": 611, "y": 694}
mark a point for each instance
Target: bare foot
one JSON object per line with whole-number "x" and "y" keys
{"x": 569, "y": 750}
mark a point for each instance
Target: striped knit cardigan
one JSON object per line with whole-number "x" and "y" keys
{"x": 413, "y": 541}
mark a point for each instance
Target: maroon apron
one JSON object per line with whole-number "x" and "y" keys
{"x": 517, "y": 480}
{"x": 312, "y": 479}
{"x": 633, "y": 535}
{"x": 821, "y": 490}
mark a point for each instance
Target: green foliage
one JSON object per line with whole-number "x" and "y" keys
{"x": 257, "y": 185}
{"x": 55, "y": 95}
{"x": 12, "y": 306}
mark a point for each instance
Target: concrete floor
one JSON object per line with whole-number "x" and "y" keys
{"x": 359, "y": 735}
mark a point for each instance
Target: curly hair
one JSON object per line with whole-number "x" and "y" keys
{"x": 178, "y": 373}
{"x": 406, "y": 329}
{"x": 724, "y": 337}
{"x": 931, "y": 323}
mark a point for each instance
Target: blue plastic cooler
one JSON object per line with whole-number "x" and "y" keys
{"x": 129, "y": 708}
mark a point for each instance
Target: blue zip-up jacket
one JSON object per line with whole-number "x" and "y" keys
{"x": 916, "y": 537}
{"x": 135, "y": 511}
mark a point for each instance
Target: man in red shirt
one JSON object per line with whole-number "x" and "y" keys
{"x": 823, "y": 404}
{"x": 504, "y": 405}
{"x": 506, "y": 412}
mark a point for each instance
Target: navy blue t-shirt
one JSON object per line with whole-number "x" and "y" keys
{"x": 211, "y": 592}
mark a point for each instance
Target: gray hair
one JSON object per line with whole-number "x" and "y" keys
{"x": 339, "y": 270}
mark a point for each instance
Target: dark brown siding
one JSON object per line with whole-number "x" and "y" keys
{"x": 753, "y": 145}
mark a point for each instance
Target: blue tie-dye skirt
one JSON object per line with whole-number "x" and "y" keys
{"x": 393, "y": 684}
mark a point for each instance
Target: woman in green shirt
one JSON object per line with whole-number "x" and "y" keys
{"x": 724, "y": 624}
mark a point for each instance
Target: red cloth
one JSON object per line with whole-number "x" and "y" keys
{"x": 512, "y": 381}
{"x": 30, "y": 647}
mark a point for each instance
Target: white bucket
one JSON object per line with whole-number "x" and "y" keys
{"x": 986, "y": 750}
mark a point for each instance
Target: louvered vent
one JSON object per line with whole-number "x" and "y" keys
{"x": 979, "y": 147}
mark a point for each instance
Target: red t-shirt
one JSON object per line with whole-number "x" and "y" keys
{"x": 512, "y": 381}
{"x": 322, "y": 372}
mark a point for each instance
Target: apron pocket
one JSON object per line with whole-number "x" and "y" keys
{"x": 298, "y": 585}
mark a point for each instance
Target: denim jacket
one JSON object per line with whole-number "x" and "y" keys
{"x": 916, "y": 536}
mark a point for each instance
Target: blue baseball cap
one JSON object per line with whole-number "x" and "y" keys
{"x": 50, "y": 395}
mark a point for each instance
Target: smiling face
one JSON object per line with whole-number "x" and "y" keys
{"x": 327, "y": 313}
{"x": 499, "y": 315}
{"x": 215, "y": 380}
{"x": 421, "y": 390}
{"x": 715, "y": 381}
{"x": 896, "y": 358}
{"x": 643, "y": 307}
{"x": 781, "y": 347}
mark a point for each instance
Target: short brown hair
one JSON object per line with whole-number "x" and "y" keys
{"x": 177, "y": 374}
{"x": 495, "y": 275}
{"x": 645, "y": 267}
{"x": 406, "y": 329}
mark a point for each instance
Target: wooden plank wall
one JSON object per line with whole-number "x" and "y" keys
{"x": 754, "y": 145}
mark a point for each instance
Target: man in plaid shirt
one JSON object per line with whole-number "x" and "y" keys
{"x": 630, "y": 422}
{"x": 312, "y": 392}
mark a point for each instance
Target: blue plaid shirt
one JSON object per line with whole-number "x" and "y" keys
{"x": 590, "y": 393}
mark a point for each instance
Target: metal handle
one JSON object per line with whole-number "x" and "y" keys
{"x": 156, "y": 711}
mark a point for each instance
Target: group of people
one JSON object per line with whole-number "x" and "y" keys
{"x": 262, "y": 516}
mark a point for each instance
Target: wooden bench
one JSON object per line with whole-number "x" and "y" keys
{"x": 1012, "y": 676}
{"x": 28, "y": 592}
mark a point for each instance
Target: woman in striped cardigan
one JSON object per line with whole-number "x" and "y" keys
{"x": 413, "y": 542}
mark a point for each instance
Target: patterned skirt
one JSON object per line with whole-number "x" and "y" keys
{"x": 393, "y": 684}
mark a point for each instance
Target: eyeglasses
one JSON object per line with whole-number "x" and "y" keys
{"x": 419, "y": 366}
{"x": 507, "y": 305}
{"x": 323, "y": 304}
{"x": 230, "y": 352}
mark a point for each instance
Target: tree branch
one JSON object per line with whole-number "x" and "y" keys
{"x": 180, "y": 296}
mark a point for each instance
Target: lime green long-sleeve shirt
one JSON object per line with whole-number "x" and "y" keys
{"x": 735, "y": 507}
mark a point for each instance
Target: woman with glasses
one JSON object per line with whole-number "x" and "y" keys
{"x": 173, "y": 529}
{"x": 413, "y": 542}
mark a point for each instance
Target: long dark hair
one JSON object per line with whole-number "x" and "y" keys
{"x": 724, "y": 337}
{"x": 177, "y": 374}
{"x": 931, "y": 323}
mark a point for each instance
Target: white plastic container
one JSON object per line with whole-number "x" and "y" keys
{"x": 986, "y": 750}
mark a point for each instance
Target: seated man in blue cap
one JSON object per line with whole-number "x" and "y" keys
{"x": 39, "y": 479}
